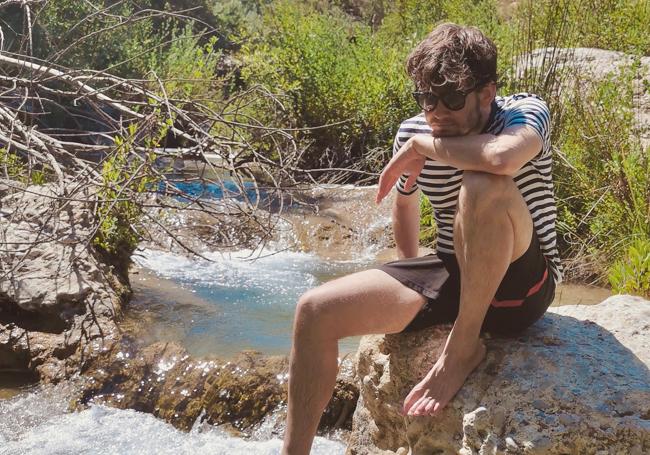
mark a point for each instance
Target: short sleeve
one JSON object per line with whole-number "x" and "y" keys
{"x": 399, "y": 185}
{"x": 531, "y": 110}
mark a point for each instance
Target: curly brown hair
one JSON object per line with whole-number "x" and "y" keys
{"x": 458, "y": 57}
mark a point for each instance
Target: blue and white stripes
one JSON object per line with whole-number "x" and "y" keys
{"x": 441, "y": 183}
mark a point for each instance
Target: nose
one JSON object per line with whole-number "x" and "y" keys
{"x": 437, "y": 115}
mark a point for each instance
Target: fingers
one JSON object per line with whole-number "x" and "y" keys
{"x": 386, "y": 183}
{"x": 410, "y": 181}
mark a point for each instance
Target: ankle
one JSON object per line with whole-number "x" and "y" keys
{"x": 463, "y": 349}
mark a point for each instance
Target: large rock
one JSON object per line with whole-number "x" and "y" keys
{"x": 577, "y": 381}
{"x": 588, "y": 65}
{"x": 242, "y": 395}
{"x": 57, "y": 293}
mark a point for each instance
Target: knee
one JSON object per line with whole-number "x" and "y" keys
{"x": 309, "y": 311}
{"x": 482, "y": 188}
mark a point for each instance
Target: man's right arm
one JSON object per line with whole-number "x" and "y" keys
{"x": 406, "y": 224}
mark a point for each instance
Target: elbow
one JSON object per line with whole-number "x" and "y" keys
{"x": 498, "y": 163}
{"x": 504, "y": 168}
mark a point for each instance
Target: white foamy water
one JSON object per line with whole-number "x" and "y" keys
{"x": 269, "y": 272}
{"x": 36, "y": 423}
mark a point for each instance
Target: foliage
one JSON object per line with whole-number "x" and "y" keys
{"x": 124, "y": 179}
{"x": 75, "y": 35}
{"x": 186, "y": 69}
{"x": 603, "y": 181}
{"x": 332, "y": 71}
{"x": 12, "y": 167}
{"x": 631, "y": 274}
{"x": 428, "y": 229}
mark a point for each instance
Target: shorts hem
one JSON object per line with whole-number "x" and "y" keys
{"x": 410, "y": 284}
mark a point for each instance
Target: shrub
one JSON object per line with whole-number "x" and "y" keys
{"x": 631, "y": 274}
{"x": 12, "y": 167}
{"x": 603, "y": 176}
{"x": 125, "y": 176}
{"x": 330, "y": 71}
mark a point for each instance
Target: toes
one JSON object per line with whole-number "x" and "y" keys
{"x": 429, "y": 406}
{"x": 417, "y": 407}
{"x": 412, "y": 405}
{"x": 420, "y": 409}
{"x": 411, "y": 399}
{"x": 437, "y": 408}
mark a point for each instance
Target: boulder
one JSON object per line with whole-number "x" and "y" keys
{"x": 242, "y": 395}
{"x": 587, "y": 65}
{"x": 57, "y": 292}
{"x": 577, "y": 381}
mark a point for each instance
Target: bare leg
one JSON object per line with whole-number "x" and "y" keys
{"x": 361, "y": 303}
{"x": 492, "y": 229}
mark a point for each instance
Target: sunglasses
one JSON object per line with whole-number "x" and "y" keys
{"x": 454, "y": 100}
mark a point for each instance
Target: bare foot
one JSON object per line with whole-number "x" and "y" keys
{"x": 442, "y": 382}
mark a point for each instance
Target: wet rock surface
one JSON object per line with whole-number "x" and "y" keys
{"x": 577, "y": 381}
{"x": 332, "y": 221}
{"x": 239, "y": 395}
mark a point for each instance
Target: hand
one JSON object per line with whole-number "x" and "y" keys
{"x": 406, "y": 161}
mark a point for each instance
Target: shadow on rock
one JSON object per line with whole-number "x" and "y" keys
{"x": 576, "y": 382}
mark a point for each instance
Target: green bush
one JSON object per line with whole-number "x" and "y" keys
{"x": 186, "y": 69}
{"x": 603, "y": 176}
{"x": 13, "y": 168}
{"x": 428, "y": 229}
{"x": 118, "y": 210}
{"x": 329, "y": 71}
{"x": 631, "y": 274}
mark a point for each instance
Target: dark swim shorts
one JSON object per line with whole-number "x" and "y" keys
{"x": 522, "y": 298}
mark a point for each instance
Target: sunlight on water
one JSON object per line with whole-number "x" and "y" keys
{"x": 230, "y": 304}
{"x": 235, "y": 274}
{"x": 36, "y": 423}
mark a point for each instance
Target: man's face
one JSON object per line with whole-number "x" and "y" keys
{"x": 468, "y": 120}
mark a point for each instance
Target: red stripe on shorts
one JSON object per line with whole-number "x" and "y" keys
{"x": 531, "y": 291}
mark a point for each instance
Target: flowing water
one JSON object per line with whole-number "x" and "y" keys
{"x": 216, "y": 307}
{"x": 35, "y": 422}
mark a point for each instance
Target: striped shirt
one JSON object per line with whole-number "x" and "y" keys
{"x": 441, "y": 183}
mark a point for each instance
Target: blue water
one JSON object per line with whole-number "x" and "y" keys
{"x": 227, "y": 188}
{"x": 234, "y": 303}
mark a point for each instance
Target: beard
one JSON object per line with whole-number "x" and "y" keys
{"x": 472, "y": 124}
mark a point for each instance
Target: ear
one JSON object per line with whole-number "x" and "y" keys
{"x": 487, "y": 94}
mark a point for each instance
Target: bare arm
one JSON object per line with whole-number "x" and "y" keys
{"x": 406, "y": 224}
{"x": 503, "y": 154}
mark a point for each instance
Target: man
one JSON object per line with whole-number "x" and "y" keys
{"x": 484, "y": 162}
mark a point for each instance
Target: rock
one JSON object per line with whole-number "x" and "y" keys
{"x": 341, "y": 223}
{"x": 57, "y": 293}
{"x": 338, "y": 222}
{"x": 588, "y": 65}
{"x": 587, "y": 390}
{"x": 9, "y": 186}
{"x": 164, "y": 380}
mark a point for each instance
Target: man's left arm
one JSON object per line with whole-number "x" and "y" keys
{"x": 502, "y": 154}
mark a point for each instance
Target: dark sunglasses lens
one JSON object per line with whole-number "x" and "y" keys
{"x": 427, "y": 101}
{"x": 454, "y": 100}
